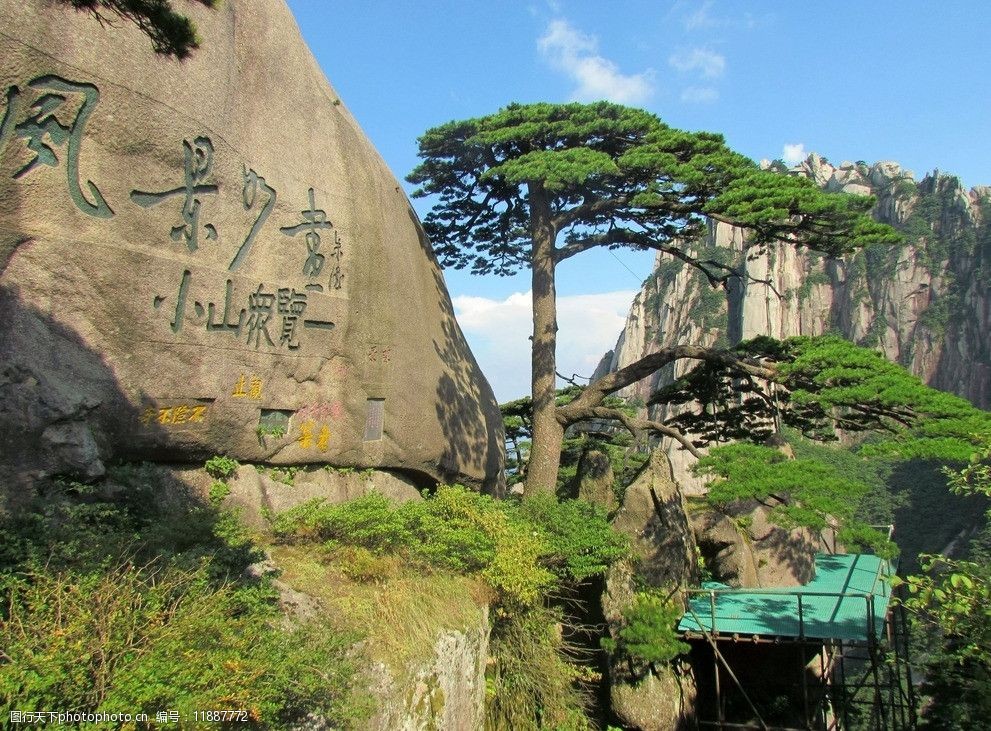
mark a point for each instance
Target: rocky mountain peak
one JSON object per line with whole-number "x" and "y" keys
{"x": 925, "y": 303}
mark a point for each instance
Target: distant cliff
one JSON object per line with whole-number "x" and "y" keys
{"x": 925, "y": 303}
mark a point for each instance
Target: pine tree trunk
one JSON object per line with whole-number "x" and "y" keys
{"x": 548, "y": 434}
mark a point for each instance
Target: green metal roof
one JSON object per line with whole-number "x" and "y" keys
{"x": 847, "y": 595}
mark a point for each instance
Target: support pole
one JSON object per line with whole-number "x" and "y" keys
{"x": 711, "y": 637}
{"x": 715, "y": 653}
{"x": 872, "y": 653}
{"x": 846, "y": 697}
{"x": 909, "y": 685}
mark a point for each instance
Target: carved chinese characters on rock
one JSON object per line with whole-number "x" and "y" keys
{"x": 292, "y": 305}
{"x": 191, "y": 413}
{"x": 314, "y": 221}
{"x": 261, "y": 308}
{"x": 374, "y": 419}
{"x": 265, "y": 317}
{"x": 321, "y": 411}
{"x": 270, "y": 318}
{"x": 49, "y": 117}
{"x": 380, "y": 354}
{"x": 249, "y": 269}
{"x": 313, "y": 436}
{"x": 253, "y": 189}
{"x": 198, "y": 165}
{"x": 247, "y": 387}
{"x": 43, "y": 126}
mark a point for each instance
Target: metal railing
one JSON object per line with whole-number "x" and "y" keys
{"x": 870, "y": 619}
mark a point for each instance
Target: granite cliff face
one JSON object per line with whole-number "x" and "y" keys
{"x": 925, "y": 303}
{"x": 445, "y": 692}
{"x": 208, "y": 256}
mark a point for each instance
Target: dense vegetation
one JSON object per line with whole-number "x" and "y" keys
{"x": 522, "y": 549}
{"x": 119, "y": 595}
{"x": 530, "y": 553}
{"x": 951, "y": 601}
{"x": 115, "y": 598}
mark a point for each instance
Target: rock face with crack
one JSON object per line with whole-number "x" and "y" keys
{"x": 209, "y": 256}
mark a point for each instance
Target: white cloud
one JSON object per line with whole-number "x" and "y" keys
{"x": 701, "y": 17}
{"x": 498, "y": 332}
{"x": 699, "y": 95}
{"x": 575, "y": 53}
{"x": 794, "y": 153}
{"x": 708, "y": 63}
{"x": 696, "y": 16}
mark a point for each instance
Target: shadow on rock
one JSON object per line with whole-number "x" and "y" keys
{"x": 466, "y": 408}
{"x": 62, "y": 411}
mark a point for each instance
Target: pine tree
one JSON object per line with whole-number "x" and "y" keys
{"x": 534, "y": 185}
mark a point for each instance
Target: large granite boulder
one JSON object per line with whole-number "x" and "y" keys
{"x": 744, "y": 547}
{"x": 209, "y": 256}
{"x": 655, "y": 518}
{"x": 651, "y": 697}
{"x": 595, "y": 479}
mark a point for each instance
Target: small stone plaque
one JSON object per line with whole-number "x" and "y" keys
{"x": 375, "y": 419}
{"x": 273, "y": 422}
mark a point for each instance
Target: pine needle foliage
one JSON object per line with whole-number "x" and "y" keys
{"x": 822, "y": 385}
{"x": 535, "y": 184}
{"x": 800, "y": 492}
{"x": 171, "y": 33}
{"x": 648, "y": 634}
{"x": 618, "y": 176}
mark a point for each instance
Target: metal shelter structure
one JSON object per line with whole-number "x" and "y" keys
{"x": 831, "y": 654}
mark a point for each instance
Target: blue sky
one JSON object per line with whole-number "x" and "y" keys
{"x": 908, "y": 81}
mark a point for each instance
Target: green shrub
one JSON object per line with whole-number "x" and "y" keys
{"x": 220, "y": 467}
{"x": 300, "y": 523}
{"x": 142, "y": 603}
{"x": 218, "y": 491}
{"x": 285, "y": 475}
{"x": 581, "y": 542}
{"x": 521, "y": 550}
{"x": 270, "y": 430}
{"x": 144, "y": 638}
{"x": 649, "y": 633}
{"x": 370, "y": 521}
{"x": 514, "y": 570}
{"x": 454, "y": 529}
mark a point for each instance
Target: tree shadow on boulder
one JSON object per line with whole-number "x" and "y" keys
{"x": 63, "y": 410}
{"x": 466, "y": 408}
